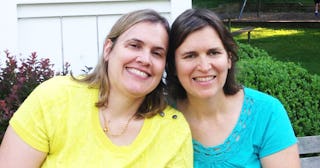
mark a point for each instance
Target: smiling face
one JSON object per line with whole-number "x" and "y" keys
{"x": 202, "y": 63}
{"x": 136, "y": 60}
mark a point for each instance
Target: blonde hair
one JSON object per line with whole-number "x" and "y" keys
{"x": 154, "y": 102}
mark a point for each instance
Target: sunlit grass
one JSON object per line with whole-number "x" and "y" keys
{"x": 297, "y": 45}
{"x": 265, "y": 33}
{"x": 268, "y": 32}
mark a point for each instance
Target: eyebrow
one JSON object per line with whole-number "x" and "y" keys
{"x": 134, "y": 39}
{"x": 216, "y": 49}
{"x": 188, "y": 53}
{"x": 140, "y": 41}
{"x": 194, "y": 52}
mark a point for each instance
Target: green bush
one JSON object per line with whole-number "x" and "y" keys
{"x": 247, "y": 51}
{"x": 294, "y": 86}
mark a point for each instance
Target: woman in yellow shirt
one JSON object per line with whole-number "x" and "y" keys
{"x": 114, "y": 117}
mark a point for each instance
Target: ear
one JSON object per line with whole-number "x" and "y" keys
{"x": 107, "y": 47}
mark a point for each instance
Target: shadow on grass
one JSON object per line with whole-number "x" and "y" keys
{"x": 302, "y": 47}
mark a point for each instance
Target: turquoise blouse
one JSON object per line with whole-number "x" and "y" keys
{"x": 263, "y": 128}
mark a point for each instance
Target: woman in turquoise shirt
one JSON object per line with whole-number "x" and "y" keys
{"x": 231, "y": 125}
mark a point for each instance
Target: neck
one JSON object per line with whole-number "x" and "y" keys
{"x": 122, "y": 106}
{"x": 200, "y": 109}
{"x": 217, "y": 115}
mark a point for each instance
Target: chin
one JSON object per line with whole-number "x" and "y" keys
{"x": 205, "y": 95}
{"x": 139, "y": 92}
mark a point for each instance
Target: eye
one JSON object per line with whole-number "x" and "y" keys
{"x": 157, "y": 53}
{"x": 189, "y": 55}
{"x": 134, "y": 45}
{"x": 213, "y": 52}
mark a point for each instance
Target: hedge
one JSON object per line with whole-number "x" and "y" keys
{"x": 294, "y": 86}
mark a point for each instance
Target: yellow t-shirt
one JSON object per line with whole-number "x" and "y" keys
{"x": 59, "y": 117}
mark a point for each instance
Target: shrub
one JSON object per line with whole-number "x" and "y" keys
{"x": 17, "y": 80}
{"x": 247, "y": 51}
{"x": 294, "y": 86}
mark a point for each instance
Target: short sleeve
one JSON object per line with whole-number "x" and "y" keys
{"x": 29, "y": 123}
{"x": 184, "y": 157}
{"x": 278, "y": 132}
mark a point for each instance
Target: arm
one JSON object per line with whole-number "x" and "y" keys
{"x": 279, "y": 147}
{"x": 15, "y": 153}
{"x": 287, "y": 158}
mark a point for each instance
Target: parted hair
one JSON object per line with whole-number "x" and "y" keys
{"x": 186, "y": 23}
{"x": 154, "y": 102}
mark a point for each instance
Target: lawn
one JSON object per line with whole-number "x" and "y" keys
{"x": 287, "y": 44}
{"x": 215, "y": 3}
{"x": 297, "y": 45}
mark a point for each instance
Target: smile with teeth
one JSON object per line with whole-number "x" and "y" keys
{"x": 204, "y": 79}
{"x": 137, "y": 72}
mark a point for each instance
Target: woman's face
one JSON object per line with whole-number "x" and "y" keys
{"x": 137, "y": 60}
{"x": 202, "y": 63}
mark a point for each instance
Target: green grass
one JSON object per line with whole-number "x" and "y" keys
{"x": 301, "y": 46}
{"x": 286, "y": 1}
{"x": 215, "y": 3}
{"x": 296, "y": 45}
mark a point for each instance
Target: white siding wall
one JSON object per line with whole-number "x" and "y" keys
{"x": 74, "y": 30}
{"x": 8, "y": 27}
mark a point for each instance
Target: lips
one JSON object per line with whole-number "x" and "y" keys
{"x": 204, "y": 79}
{"x": 138, "y": 72}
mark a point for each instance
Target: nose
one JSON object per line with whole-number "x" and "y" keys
{"x": 203, "y": 64}
{"x": 144, "y": 58}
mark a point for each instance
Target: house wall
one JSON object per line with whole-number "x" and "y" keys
{"x": 71, "y": 31}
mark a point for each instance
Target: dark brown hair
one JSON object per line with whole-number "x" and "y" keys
{"x": 188, "y": 22}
